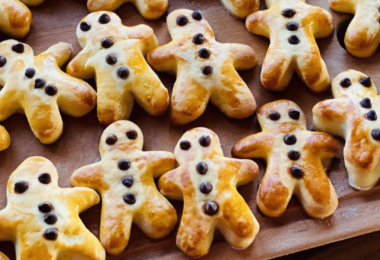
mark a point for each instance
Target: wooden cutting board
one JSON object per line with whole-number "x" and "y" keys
{"x": 358, "y": 212}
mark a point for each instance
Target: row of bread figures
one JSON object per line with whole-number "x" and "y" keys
{"x": 199, "y": 174}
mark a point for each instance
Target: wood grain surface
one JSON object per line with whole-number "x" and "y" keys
{"x": 357, "y": 214}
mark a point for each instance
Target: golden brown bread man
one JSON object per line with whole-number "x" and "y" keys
{"x": 36, "y": 86}
{"x": 125, "y": 179}
{"x": 292, "y": 26}
{"x": 206, "y": 181}
{"x": 363, "y": 34}
{"x": 294, "y": 158}
{"x": 114, "y": 54}
{"x": 241, "y": 8}
{"x": 352, "y": 115}
{"x": 149, "y": 9}
{"x": 15, "y": 18}
{"x": 205, "y": 69}
{"x": 43, "y": 220}
{"x": 5, "y": 139}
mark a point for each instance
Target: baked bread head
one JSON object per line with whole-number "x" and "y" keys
{"x": 294, "y": 157}
{"x": 15, "y": 18}
{"x": 241, "y": 8}
{"x": 5, "y": 139}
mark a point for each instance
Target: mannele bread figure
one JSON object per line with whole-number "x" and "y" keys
{"x": 43, "y": 220}
{"x": 125, "y": 179}
{"x": 205, "y": 69}
{"x": 36, "y": 86}
{"x": 241, "y": 8}
{"x": 363, "y": 34}
{"x": 206, "y": 181}
{"x": 294, "y": 159}
{"x": 5, "y": 139}
{"x": 292, "y": 26}
{"x": 352, "y": 115}
{"x": 114, "y": 53}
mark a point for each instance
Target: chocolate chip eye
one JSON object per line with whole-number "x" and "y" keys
{"x": 128, "y": 181}
{"x": 294, "y": 40}
{"x": 44, "y": 178}
{"x": 204, "y": 53}
{"x": 345, "y": 83}
{"x": 275, "y": 116}
{"x": 182, "y": 20}
{"x": 39, "y": 83}
{"x": 294, "y": 114}
{"x": 19, "y": 48}
{"x": 129, "y": 199}
{"x": 211, "y": 208}
{"x": 197, "y": 15}
{"x": 202, "y": 168}
{"x": 84, "y": 26}
{"x": 107, "y": 42}
{"x": 294, "y": 155}
{"x": 111, "y": 139}
{"x": 205, "y": 187}
{"x": 366, "y": 103}
{"x": 198, "y": 38}
{"x": 366, "y": 81}
{"x": 50, "y": 219}
{"x": 205, "y": 140}
{"x": 292, "y": 26}
{"x": 51, "y": 90}
{"x": 376, "y": 134}
{"x": 290, "y": 139}
{"x": 297, "y": 172}
{"x": 132, "y": 134}
{"x": 29, "y": 73}
{"x": 21, "y": 187}
{"x": 45, "y": 207}
{"x": 104, "y": 19}
{"x": 123, "y": 72}
{"x": 185, "y": 145}
{"x": 111, "y": 59}
{"x": 207, "y": 70}
{"x": 371, "y": 115}
{"x": 124, "y": 164}
{"x": 288, "y": 12}
{"x": 51, "y": 234}
{"x": 3, "y": 61}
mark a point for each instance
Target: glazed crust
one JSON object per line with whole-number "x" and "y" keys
{"x": 284, "y": 58}
{"x": 15, "y": 18}
{"x": 314, "y": 190}
{"x": 151, "y": 211}
{"x": 5, "y": 139}
{"x": 116, "y": 95}
{"x": 20, "y": 95}
{"x": 234, "y": 218}
{"x": 23, "y": 223}
{"x": 193, "y": 89}
{"x": 149, "y": 9}
{"x": 344, "y": 116}
{"x": 241, "y": 8}
{"x": 363, "y": 34}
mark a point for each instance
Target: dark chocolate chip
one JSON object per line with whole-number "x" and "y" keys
{"x": 366, "y": 103}
{"x": 111, "y": 139}
{"x": 50, "y": 219}
{"x": 111, "y": 59}
{"x": 104, "y": 18}
{"x": 294, "y": 39}
{"x": 128, "y": 181}
{"x": 51, "y": 90}
{"x": 292, "y": 26}
{"x": 124, "y": 164}
{"x": 207, "y": 70}
{"x": 297, "y": 171}
{"x": 29, "y": 73}
{"x": 51, "y": 234}
{"x": 294, "y": 155}
{"x": 39, "y": 83}
{"x": 371, "y": 115}
{"x": 123, "y": 72}
{"x": 19, "y": 48}
{"x": 198, "y": 38}
{"x": 129, "y": 199}
{"x": 210, "y": 208}
{"x": 45, "y": 207}
{"x": 21, "y": 187}
{"x": 84, "y": 26}
{"x": 288, "y": 12}
{"x": 3, "y": 61}
{"x": 366, "y": 81}
{"x": 185, "y": 145}
{"x": 204, "y": 53}
{"x": 294, "y": 114}
{"x": 376, "y": 134}
{"x": 197, "y": 15}
{"x": 205, "y": 140}
{"x": 202, "y": 168}
{"x": 182, "y": 20}
{"x": 206, "y": 187}
{"x": 345, "y": 83}
{"x": 132, "y": 134}
{"x": 275, "y": 116}
{"x": 107, "y": 42}
{"x": 44, "y": 178}
{"x": 290, "y": 139}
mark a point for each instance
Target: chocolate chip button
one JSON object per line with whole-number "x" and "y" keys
{"x": 104, "y": 18}
{"x": 205, "y": 187}
{"x": 84, "y": 26}
{"x": 111, "y": 59}
{"x": 19, "y": 48}
{"x": 292, "y": 26}
{"x": 129, "y": 199}
{"x": 297, "y": 172}
{"x": 182, "y": 20}
{"x": 294, "y": 155}
{"x": 202, "y": 168}
{"x": 51, "y": 234}
{"x": 123, "y": 72}
{"x": 45, "y": 207}
{"x": 3, "y": 60}
{"x": 51, "y": 90}
{"x": 111, "y": 139}
{"x": 39, "y": 83}
{"x": 294, "y": 40}
{"x": 50, "y": 219}
{"x": 29, "y": 73}
{"x": 128, "y": 181}
{"x": 132, "y": 134}
{"x": 107, "y": 42}
{"x": 21, "y": 187}
{"x": 366, "y": 81}
{"x": 371, "y": 115}
{"x": 294, "y": 114}
{"x": 345, "y": 83}
{"x": 197, "y": 15}
{"x": 275, "y": 116}
{"x": 376, "y": 134}
{"x": 124, "y": 164}
{"x": 207, "y": 70}
{"x": 205, "y": 140}
{"x": 210, "y": 208}
{"x": 288, "y": 12}
{"x": 44, "y": 178}
{"x": 366, "y": 103}
{"x": 198, "y": 38}
{"x": 290, "y": 139}
{"x": 185, "y": 145}
{"x": 204, "y": 53}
